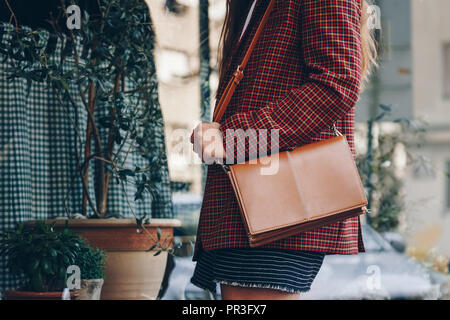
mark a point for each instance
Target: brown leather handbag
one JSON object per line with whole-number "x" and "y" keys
{"x": 315, "y": 184}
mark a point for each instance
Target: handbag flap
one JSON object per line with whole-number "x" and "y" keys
{"x": 308, "y": 183}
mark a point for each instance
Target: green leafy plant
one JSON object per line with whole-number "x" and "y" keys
{"x": 116, "y": 88}
{"x": 378, "y": 169}
{"x": 40, "y": 255}
{"x": 387, "y": 201}
{"x": 91, "y": 262}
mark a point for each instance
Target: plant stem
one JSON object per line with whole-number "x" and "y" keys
{"x": 13, "y": 16}
{"x": 103, "y": 191}
{"x": 369, "y": 160}
{"x": 101, "y": 188}
{"x": 87, "y": 146}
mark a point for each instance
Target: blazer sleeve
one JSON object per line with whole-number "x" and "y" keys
{"x": 331, "y": 49}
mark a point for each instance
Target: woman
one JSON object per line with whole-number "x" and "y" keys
{"x": 304, "y": 75}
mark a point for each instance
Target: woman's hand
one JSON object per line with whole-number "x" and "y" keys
{"x": 207, "y": 141}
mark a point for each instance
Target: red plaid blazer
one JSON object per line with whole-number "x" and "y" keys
{"x": 304, "y": 75}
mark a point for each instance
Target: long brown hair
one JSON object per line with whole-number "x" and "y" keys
{"x": 237, "y": 10}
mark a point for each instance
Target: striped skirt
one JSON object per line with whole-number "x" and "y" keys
{"x": 285, "y": 270}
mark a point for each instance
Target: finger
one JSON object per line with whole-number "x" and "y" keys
{"x": 208, "y": 153}
{"x": 198, "y": 132}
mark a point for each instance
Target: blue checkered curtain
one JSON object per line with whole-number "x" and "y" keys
{"x": 38, "y": 179}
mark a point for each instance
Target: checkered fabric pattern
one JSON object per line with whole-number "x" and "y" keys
{"x": 37, "y": 161}
{"x": 304, "y": 75}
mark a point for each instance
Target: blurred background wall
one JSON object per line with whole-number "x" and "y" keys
{"x": 427, "y": 187}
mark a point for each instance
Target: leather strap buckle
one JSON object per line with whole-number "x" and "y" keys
{"x": 238, "y": 75}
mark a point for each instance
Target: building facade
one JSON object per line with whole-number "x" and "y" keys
{"x": 427, "y": 186}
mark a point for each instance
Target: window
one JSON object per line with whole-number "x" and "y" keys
{"x": 446, "y": 70}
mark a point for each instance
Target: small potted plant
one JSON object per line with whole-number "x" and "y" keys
{"x": 91, "y": 264}
{"x": 41, "y": 256}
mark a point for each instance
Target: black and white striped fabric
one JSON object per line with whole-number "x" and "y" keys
{"x": 286, "y": 270}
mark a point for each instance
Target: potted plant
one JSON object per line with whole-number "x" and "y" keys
{"x": 41, "y": 256}
{"x": 91, "y": 264}
{"x": 106, "y": 73}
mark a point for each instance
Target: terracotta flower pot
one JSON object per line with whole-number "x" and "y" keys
{"x": 132, "y": 273}
{"x": 29, "y": 295}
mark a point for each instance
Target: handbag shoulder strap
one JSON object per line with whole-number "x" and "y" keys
{"x": 238, "y": 75}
